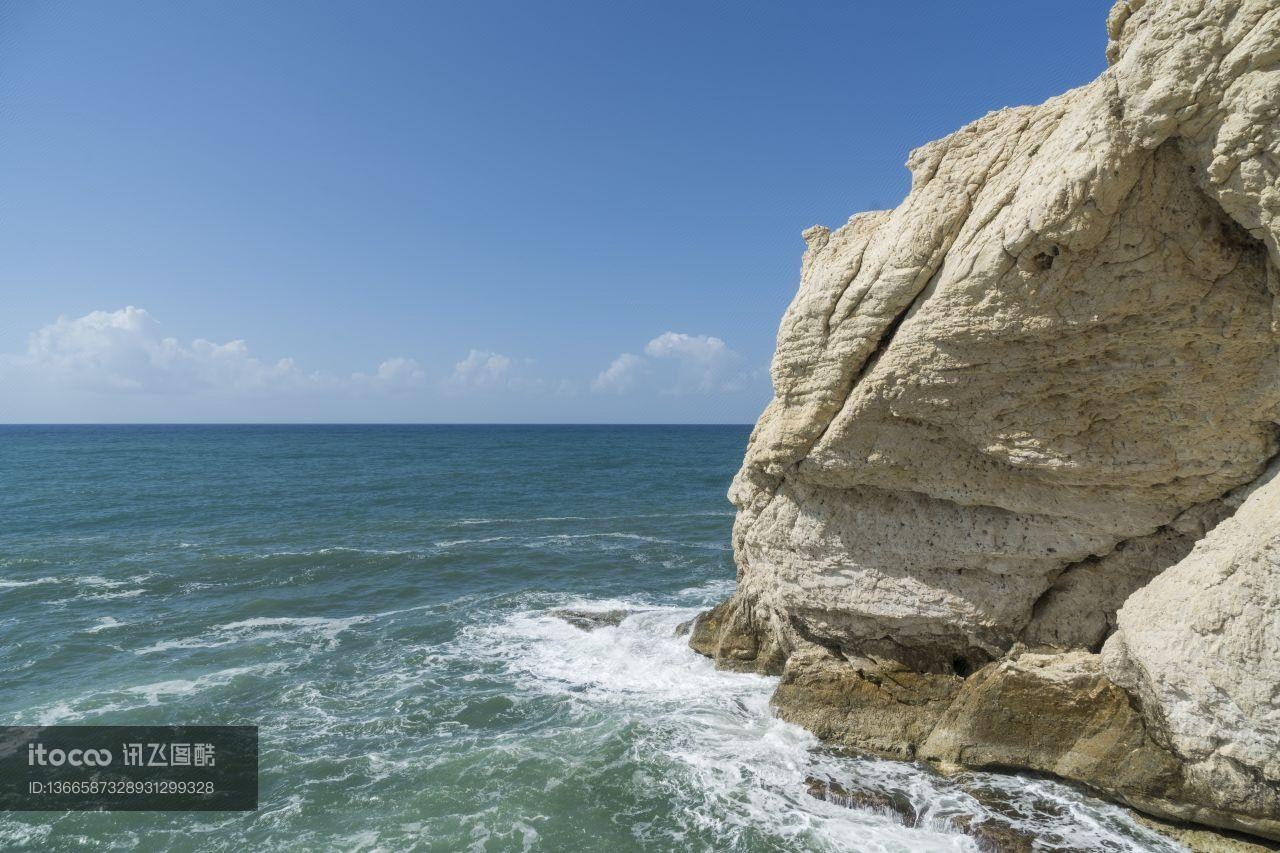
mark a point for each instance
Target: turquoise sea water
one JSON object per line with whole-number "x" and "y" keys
{"x": 377, "y": 600}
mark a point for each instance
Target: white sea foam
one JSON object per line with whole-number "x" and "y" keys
{"x": 96, "y": 580}
{"x": 631, "y": 537}
{"x": 332, "y": 549}
{"x": 453, "y": 543}
{"x": 340, "y": 549}
{"x": 106, "y": 596}
{"x": 733, "y": 771}
{"x": 712, "y": 745}
{"x": 19, "y": 834}
{"x": 106, "y": 623}
{"x": 176, "y": 687}
{"x": 93, "y": 582}
{"x": 614, "y": 663}
{"x": 97, "y": 588}
{"x": 466, "y": 522}
{"x": 712, "y": 590}
{"x": 133, "y": 697}
{"x": 260, "y": 628}
{"x": 4, "y": 584}
{"x": 463, "y": 522}
{"x": 526, "y": 541}
{"x": 326, "y": 629}
{"x": 360, "y": 842}
{"x": 563, "y": 538}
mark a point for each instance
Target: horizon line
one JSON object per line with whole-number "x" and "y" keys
{"x": 372, "y": 423}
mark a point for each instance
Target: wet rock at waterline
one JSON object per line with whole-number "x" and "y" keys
{"x": 992, "y": 836}
{"x": 589, "y": 620}
{"x": 855, "y": 797}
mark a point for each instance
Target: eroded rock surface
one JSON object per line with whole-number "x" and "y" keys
{"x": 1200, "y": 649}
{"x": 1012, "y": 403}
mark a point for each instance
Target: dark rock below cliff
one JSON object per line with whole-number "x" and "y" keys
{"x": 589, "y": 620}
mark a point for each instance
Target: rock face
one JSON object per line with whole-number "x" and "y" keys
{"x": 1200, "y": 648}
{"x": 1009, "y": 406}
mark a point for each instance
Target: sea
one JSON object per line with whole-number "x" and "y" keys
{"x": 380, "y": 601}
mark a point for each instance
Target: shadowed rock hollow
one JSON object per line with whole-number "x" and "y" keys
{"x": 1010, "y": 417}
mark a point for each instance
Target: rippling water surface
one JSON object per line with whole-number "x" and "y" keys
{"x": 377, "y": 600}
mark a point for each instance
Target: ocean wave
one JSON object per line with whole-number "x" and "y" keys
{"x": 319, "y": 552}
{"x": 93, "y": 582}
{"x": 714, "y": 589}
{"x": 707, "y": 740}
{"x": 610, "y": 663}
{"x": 18, "y": 584}
{"x": 466, "y": 522}
{"x": 428, "y": 550}
{"x": 537, "y": 541}
{"x": 97, "y": 596}
{"x": 96, "y": 580}
{"x": 260, "y": 628}
{"x": 326, "y": 628}
{"x": 131, "y": 698}
{"x": 17, "y": 833}
{"x": 453, "y": 543}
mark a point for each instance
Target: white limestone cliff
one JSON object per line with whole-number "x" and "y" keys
{"x": 1014, "y": 402}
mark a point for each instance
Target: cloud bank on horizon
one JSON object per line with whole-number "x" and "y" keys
{"x": 114, "y": 366}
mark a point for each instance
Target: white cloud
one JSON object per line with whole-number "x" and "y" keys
{"x": 124, "y": 351}
{"x": 399, "y": 368}
{"x": 398, "y": 372}
{"x": 680, "y": 345}
{"x": 481, "y": 369}
{"x": 678, "y": 364}
{"x": 620, "y": 375}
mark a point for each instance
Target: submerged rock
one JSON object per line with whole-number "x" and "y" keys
{"x": 857, "y": 797}
{"x": 992, "y": 836}
{"x": 1023, "y": 399}
{"x": 590, "y": 620}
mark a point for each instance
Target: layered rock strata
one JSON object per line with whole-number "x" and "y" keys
{"x": 982, "y": 521}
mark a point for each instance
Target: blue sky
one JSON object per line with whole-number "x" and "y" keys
{"x": 444, "y": 212}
